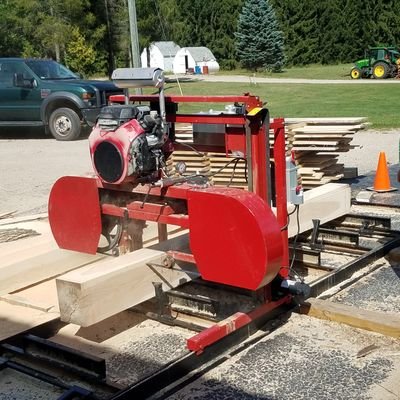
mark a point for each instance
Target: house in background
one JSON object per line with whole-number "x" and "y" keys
{"x": 188, "y": 58}
{"x": 160, "y": 55}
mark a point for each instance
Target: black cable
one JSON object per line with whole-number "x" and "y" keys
{"x": 234, "y": 169}
{"x": 288, "y": 217}
{"x": 191, "y": 148}
{"x": 294, "y": 246}
{"x": 235, "y": 160}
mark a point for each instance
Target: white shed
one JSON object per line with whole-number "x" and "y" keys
{"x": 159, "y": 55}
{"x": 188, "y": 58}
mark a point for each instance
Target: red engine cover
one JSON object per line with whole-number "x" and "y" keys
{"x": 234, "y": 237}
{"x": 116, "y": 154}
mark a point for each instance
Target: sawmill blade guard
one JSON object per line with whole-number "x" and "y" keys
{"x": 74, "y": 214}
{"x": 235, "y": 238}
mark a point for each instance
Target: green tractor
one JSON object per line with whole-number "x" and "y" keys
{"x": 379, "y": 62}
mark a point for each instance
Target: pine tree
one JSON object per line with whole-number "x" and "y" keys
{"x": 259, "y": 42}
{"x": 299, "y": 21}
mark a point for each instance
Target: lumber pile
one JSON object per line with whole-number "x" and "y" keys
{"x": 196, "y": 163}
{"x": 223, "y": 171}
{"x": 227, "y": 171}
{"x": 317, "y": 143}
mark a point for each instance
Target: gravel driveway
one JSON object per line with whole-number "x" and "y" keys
{"x": 31, "y": 163}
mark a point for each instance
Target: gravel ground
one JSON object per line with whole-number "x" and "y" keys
{"x": 306, "y": 359}
{"x": 31, "y": 163}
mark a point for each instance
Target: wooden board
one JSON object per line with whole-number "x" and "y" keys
{"x": 31, "y": 269}
{"x": 325, "y": 203}
{"x": 381, "y": 322}
{"x": 16, "y": 319}
{"x": 100, "y": 290}
{"x": 327, "y": 120}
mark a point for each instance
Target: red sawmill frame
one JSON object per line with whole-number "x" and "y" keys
{"x": 260, "y": 153}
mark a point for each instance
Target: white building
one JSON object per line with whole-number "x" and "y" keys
{"x": 159, "y": 55}
{"x": 188, "y": 58}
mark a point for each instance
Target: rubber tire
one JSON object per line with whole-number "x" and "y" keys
{"x": 72, "y": 118}
{"x": 365, "y": 73}
{"x": 355, "y": 73}
{"x": 385, "y": 67}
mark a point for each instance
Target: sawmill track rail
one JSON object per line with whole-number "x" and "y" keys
{"x": 365, "y": 238}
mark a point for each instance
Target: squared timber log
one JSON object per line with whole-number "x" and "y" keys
{"x": 325, "y": 203}
{"x": 95, "y": 292}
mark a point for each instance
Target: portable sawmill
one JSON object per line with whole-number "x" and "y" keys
{"x": 236, "y": 238}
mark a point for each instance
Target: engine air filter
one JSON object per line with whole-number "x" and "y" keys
{"x": 108, "y": 162}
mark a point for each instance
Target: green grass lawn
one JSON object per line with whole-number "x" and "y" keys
{"x": 312, "y": 71}
{"x": 377, "y": 102}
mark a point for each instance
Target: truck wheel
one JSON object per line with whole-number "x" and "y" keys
{"x": 65, "y": 124}
{"x": 355, "y": 73}
{"x": 380, "y": 70}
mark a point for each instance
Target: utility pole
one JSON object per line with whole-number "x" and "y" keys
{"x": 111, "y": 60}
{"x": 134, "y": 33}
{"x": 134, "y": 37}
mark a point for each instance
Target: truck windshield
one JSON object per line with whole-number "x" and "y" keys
{"x": 48, "y": 69}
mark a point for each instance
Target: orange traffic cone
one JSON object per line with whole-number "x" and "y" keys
{"x": 382, "y": 179}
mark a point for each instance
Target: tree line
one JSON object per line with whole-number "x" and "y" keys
{"x": 92, "y": 37}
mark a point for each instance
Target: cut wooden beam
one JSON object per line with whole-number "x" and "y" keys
{"x": 98, "y": 291}
{"x": 325, "y": 203}
{"x": 381, "y": 322}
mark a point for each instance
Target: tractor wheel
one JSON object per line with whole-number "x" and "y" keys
{"x": 365, "y": 73}
{"x": 65, "y": 124}
{"x": 380, "y": 70}
{"x": 355, "y": 73}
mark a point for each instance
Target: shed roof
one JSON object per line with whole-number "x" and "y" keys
{"x": 200, "y": 53}
{"x": 167, "y": 48}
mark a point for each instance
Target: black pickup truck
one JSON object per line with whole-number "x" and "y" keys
{"x": 36, "y": 92}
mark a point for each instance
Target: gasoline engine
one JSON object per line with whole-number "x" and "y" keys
{"x": 130, "y": 143}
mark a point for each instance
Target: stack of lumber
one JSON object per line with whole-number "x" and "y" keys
{"x": 195, "y": 162}
{"x": 184, "y": 133}
{"x": 317, "y": 143}
{"x": 213, "y": 165}
{"x": 234, "y": 174}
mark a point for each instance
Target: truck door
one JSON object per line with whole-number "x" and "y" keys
{"x": 18, "y": 103}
